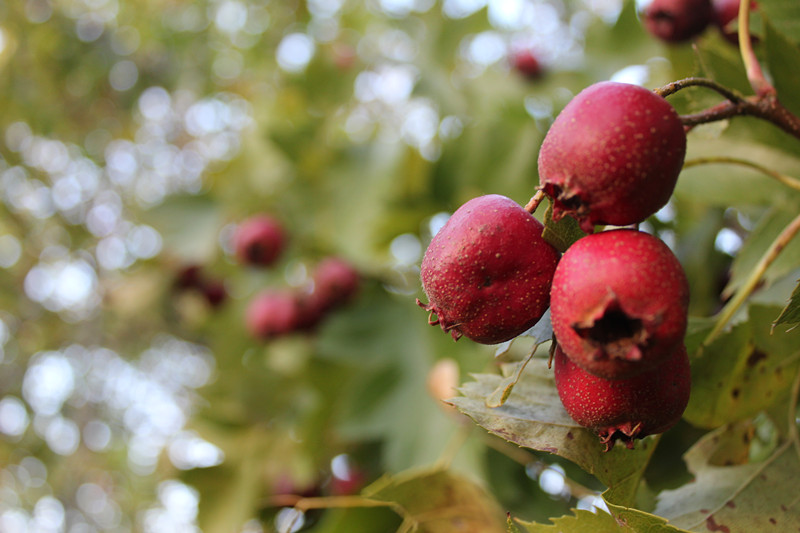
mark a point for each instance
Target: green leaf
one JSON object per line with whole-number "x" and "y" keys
{"x": 783, "y": 61}
{"x": 562, "y": 233}
{"x": 791, "y": 313}
{"x": 621, "y": 520}
{"x": 440, "y": 501}
{"x": 749, "y": 498}
{"x": 533, "y": 417}
{"x": 784, "y": 15}
{"x": 742, "y": 372}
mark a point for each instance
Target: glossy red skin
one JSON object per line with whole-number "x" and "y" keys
{"x": 615, "y": 271}
{"x": 625, "y": 409}
{"x": 612, "y": 156}
{"x": 677, "y": 21}
{"x": 487, "y": 272}
{"x": 259, "y": 241}
{"x": 273, "y": 313}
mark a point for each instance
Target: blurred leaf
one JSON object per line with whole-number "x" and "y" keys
{"x": 783, "y": 61}
{"x": 440, "y": 501}
{"x": 758, "y": 242}
{"x": 533, "y": 417}
{"x": 743, "y": 498}
{"x": 791, "y": 313}
{"x": 743, "y": 371}
{"x": 189, "y": 226}
{"x": 785, "y": 16}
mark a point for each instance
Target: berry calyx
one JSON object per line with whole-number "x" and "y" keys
{"x": 619, "y": 302}
{"x": 612, "y": 156}
{"x": 487, "y": 272}
{"x": 677, "y": 20}
{"x": 259, "y": 241}
{"x": 648, "y": 403}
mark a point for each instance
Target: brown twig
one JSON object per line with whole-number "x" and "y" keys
{"x": 766, "y": 107}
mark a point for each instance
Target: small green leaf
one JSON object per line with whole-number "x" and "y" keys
{"x": 561, "y": 233}
{"x": 791, "y": 313}
{"x": 533, "y": 417}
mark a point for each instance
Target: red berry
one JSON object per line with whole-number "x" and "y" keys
{"x": 189, "y": 277}
{"x": 259, "y": 241}
{"x": 648, "y": 403}
{"x": 487, "y": 272}
{"x": 619, "y": 302}
{"x": 336, "y": 282}
{"x": 273, "y": 313}
{"x": 526, "y": 63}
{"x": 612, "y": 156}
{"x": 215, "y": 292}
{"x": 677, "y": 20}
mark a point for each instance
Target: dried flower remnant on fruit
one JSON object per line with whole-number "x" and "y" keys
{"x": 648, "y": 403}
{"x": 487, "y": 272}
{"x": 619, "y": 302}
{"x": 259, "y": 241}
{"x": 612, "y": 156}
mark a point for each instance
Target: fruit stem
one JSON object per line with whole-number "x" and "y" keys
{"x": 777, "y": 246}
{"x": 752, "y": 67}
{"x": 675, "y": 86}
{"x": 783, "y": 178}
{"x": 534, "y": 202}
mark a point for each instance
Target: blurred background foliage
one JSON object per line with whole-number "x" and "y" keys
{"x": 136, "y": 135}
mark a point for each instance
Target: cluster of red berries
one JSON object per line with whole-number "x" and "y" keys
{"x": 258, "y": 242}
{"x": 618, "y": 298}
{"x": 681, "y": 20}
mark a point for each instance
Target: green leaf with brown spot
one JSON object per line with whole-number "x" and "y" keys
{"x": 744, "y": 498}
{"x": 743, "y": 371}
{"x": 791, "y": 313}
